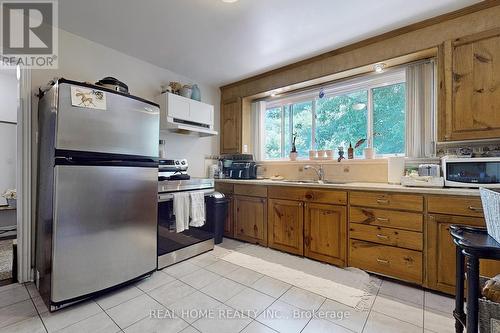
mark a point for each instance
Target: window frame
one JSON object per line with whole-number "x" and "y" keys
{"x": 365, "y": 82}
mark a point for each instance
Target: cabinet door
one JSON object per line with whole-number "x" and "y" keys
{"x": 473, "y": 109}
{"x": 231, "y": 113}
{"x": 227, "y": 189}
{"x": 441, "y": 252}
{"x": 178, "y": 107}
{"x": 325, "y": 233}
{"x": 286, "y": 225}
{"x": 229, "y": 223}
{"x": 250, "y": 219}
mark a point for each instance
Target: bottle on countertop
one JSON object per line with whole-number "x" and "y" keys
{"x": 350, "y": 152}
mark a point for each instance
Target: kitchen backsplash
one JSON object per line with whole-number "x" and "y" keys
{"x": 352, "y": 171}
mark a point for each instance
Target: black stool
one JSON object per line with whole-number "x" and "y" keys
{"x": 473, "y": 244}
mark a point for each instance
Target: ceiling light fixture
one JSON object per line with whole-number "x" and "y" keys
{"x": 274, "y": 93}
{"x": 379, "y": 68}
{"x": 229, "y": 1}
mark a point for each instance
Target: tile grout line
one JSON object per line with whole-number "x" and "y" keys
{"x": 371, "y": 308}
{"x": 107, "y": 314}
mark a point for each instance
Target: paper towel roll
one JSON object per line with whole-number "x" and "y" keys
{"x": 395, "y": 169}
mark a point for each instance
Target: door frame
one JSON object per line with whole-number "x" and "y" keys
{"x": 23, "y": 177}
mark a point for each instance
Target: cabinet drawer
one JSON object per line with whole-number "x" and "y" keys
{"x": 251, "y": 190}
{"x": 387, "y": 260}
{"x": 225, "y": 188}
{"x": 387, "y": 236}
{"x": 386, "y": 218}
{"x": 388, "y": 200}
{"x": 308, "y": 195}
{"x": 465, "y": 206}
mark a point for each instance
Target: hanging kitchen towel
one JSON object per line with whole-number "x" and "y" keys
{"x": 197, "y": 211}
{"x": 181, "y": 211}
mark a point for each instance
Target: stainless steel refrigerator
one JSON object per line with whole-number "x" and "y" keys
{"x": 97, "y": 191}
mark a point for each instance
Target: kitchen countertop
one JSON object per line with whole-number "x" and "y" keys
{"x": 358, "y": 186}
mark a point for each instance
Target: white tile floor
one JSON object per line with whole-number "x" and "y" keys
{"x": 208, "y": 294}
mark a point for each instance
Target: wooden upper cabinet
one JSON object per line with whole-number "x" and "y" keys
{"x": 325, "y": 233}
{"x": 230, "y": 134}
{"x": 471, "y": 69}
{"x": 250, "y": 219}
{"x": 286, "y": 225}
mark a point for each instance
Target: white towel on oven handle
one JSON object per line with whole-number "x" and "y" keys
{"x": 197, "y": 211}
{"x": 181, "y": 211}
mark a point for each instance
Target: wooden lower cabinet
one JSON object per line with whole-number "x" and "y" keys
{"x": 229, "y": 223}
{"x": 400, "y": 263}
{"x": 441, "y": 252}
{"x": 325, "y": 233}
{"x": 286, "y": 225}
{"x": 250, "y": 214}
{"x": 228, "y": 189}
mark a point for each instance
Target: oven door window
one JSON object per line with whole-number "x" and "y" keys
{"x": 473, "y": 173}
{"x": 169, "y": 240}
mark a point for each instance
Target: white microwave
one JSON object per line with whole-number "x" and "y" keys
{"x": 471, "y": 172}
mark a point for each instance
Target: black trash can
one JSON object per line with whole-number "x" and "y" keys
{"x": 216, "y": 209}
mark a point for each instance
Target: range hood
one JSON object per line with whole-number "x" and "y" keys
{"x": 186, "y": 116}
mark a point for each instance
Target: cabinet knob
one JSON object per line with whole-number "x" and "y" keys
{"x": 382, "y": 219}
{"x": 309, "y": 196}
{"x": 382, "y": 201}
{"x": 382, "y": 236}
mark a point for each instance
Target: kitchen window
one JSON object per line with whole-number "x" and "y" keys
{"x": 373, "y": 107}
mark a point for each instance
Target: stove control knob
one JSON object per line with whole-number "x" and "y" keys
{"x": 183, "y": 162}
{"x": 176, "y": 162}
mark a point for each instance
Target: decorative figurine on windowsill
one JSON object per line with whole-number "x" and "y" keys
{"x": 293, "y": 153}
{"x": 341, "y": 154}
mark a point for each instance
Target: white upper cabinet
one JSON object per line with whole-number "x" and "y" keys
{"x": 186, "y": 115}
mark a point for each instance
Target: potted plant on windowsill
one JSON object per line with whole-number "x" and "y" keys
{"x": 11, "y": 197}
{"x": 293, "y": 153}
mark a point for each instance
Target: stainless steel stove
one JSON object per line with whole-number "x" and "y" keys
{"x": 178, "y": 246}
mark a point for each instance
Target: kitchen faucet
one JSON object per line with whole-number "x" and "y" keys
{"x": 319, "y": 171}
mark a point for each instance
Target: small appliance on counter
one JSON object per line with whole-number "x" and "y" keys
{"x": 471, "y": 172}
{"x": 239, "y": 166}
{"x": 427, "y": 175}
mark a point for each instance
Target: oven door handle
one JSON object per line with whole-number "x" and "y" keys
{"x": 164, "y": 197}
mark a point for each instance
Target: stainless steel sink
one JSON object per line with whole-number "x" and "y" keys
{"x": 301, "y": 181}
{"x": 311, "y": 181}
{"x": 334, "y": 182}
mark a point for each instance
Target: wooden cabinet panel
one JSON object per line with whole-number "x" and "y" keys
{"x": 466, "y": 206}
{"x": 229, "y": 223}
{"x": 230, "y": 133}
{"x": 227, "y": 190}
{"x": 386, "y": 218}
{"x": 472, "y": 68}
{"x": 388, "y": 236}
{"x": 387, "y": 260}
{"x": 251, "y": 190}
{"x": 250, "y": 219}
{"x": 325, "y": 234}
{"x": 387, "y": 200}
{"x": 308, "y": 195}
{"x": 441, "y": 252}
{"x": 286, "y": 225}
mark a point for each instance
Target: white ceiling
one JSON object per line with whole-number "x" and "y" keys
{"x": 218, "y": 43}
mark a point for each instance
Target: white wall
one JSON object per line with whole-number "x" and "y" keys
{"x": 8, "y": 95}
{"x": 83, "y": 60}
{"x": 8, "y": 138}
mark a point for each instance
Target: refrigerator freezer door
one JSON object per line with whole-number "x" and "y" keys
{"x": 104, "y": 228}
{"x": 126, "y": 126}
